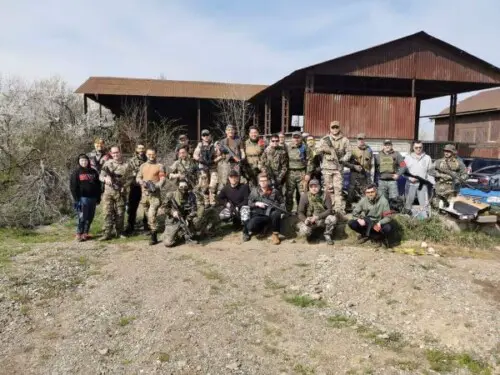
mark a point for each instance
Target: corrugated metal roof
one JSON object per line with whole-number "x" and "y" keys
{"x": 168, "y": 88}
{"x": 481, "y": 102}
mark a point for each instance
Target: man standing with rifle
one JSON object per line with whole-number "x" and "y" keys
{"x": 275, "y": 162}
{"x": 335, "y": 150}
{"x": 117, "y": 177}
{"x": 371, "y": 217}
{"x": 253, "y": 148}
{"x": 448, "y": 171}
{"x": 231, "y": 152}
{"x": 184, "y": 168}
{"x": 299, "y": 170}
{"x": 362, "y": 169}
{"x": 267, "y": 206}
{"x": 151, "y": 177}
{"x": 417, "y": 164}
{"x": 182, "y": 215}
{"x": 388, "y": 164}
{"x": 206, "y": 156}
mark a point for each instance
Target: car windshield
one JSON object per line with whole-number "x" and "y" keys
{"x": 489, "y": 170}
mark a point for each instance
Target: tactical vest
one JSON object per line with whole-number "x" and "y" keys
{"x": 452, "y": 165}
{"x": 253, "y": 152}
{"x": 185, "y": 201}
{"x": 117, "y": 171}
{"x": 207, "y": 154}
{"x": 297, "y": 157}
{"x": 316, "y": 205}
{"x": 337, "y": 144}
{"x": 151, "y": 172}
{"x": 363, "y": 157}
{"x": 234, "y": 145}
{"x": 387, "y": 162}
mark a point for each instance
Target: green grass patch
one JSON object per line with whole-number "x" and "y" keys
{"x": 302, "y": 264}
{"x": 126, "y": 320}
{"x": 213, "y": 275}
{"x": 303, "y": 369}
{"x": 340, "y": 321}
{"x": 304, "y": 301}
{"x": 163, "y": 357}
{"x": 442, "y": 361}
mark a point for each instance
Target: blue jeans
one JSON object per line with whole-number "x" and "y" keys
{"x": 86, "y": 214}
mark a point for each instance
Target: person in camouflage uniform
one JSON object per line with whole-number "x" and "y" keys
{"x": 335, "y": 149}
{"x": 151, "y": 177}
{"x": 184, "y": 168}
{"x": 206, "y": 156}
{"x": 315, "y": 211}
{"x": 182, "y": 223}
{"x": 316, "y": 158}
{"x": 299, "y": 169}
{"x": 252, "y": 151}
{"x": 183, "y": 141}
{"x": 362, "y": 169}
{"x": 388, "y": 164}
{"x": 226, "y": 146}
{"x": 117, "y": 177}
{"x": 134, "y": 196}
{"x": 275, "y": 163}
{"x": 448, "y": 172}
{"x": 99, "y": 156}
{"x": 282, "y": 141}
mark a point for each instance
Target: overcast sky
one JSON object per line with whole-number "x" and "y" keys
{"x": 257, "y": 41}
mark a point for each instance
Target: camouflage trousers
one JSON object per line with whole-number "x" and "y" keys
{"x": 294, "y": 186}
{"x": 444, "y": 190}
{"x": 388, "y": 188}
{"x": 333, "y": 181}
{"x": 208, "y": 181}
{"x": 175, "y": 233}
{"x": 150, "y": 205}
{"x": 328, "y": 224}
{"x": 113, "y": 205}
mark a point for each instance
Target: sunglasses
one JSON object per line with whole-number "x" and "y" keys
{"x": 418, "y": 147}
{"x": 334, "y": 127}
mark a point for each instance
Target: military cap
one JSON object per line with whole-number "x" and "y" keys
{"x": 450, "y": 148}
{"x": 361, "y": 136}
{"x": 182, "y": 136}
{"x": 387, "y": 142}
{"x": 334, "y": 123}
{"x": 205, "y": 132}
{"x": 314, "y": 182}
{"x": 296, "y": 134}
{"x": 229, "y": 127}
{"x": 234, "y": 173}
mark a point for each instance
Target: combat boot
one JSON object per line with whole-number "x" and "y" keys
{"x": 328, "y": 239}
{"x": 245, "y": 237}
{"x": 106, "y": 237}
{"x": 275, "y": 238}
{"x": 154, "y": 239}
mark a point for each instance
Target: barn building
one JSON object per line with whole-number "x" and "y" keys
{"x": 377, "y": 91}
{"x": 477, "y": 121}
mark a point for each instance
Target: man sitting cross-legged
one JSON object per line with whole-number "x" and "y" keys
{"x": 371, "y": 217}
{"x": 266, "y": 205}
{"x": 315, "y": 212}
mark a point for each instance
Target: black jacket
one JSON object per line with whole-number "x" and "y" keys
{"x": 238, "y": 195}
{"x": 84, "y": 182}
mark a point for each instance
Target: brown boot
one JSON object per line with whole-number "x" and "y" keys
{"x": 275, "y": 238}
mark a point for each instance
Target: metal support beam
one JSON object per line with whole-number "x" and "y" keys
{"x": 146, "y": 117}
{"x": 198, "y": 119}
{"x": 85, "y": 104}
{"x": 285, "y": 110}
{"x": 256, "y": 116}
{"x": 413, "y": 88}
{"x": 309, "y": 83}
{"x": 267, "y": 116}
{"x": 452, "y": 118}
{"x": 417, "y": 119}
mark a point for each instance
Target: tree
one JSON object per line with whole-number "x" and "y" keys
{"x": 234, "y": 111}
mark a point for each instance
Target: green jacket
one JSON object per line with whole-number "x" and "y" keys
{"x": 373, "y": 210}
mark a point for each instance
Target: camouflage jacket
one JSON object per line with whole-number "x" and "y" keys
{"x": 275, "y": 162}
{"x": 443, "y": 169}
{"x": 206, "y": 155}
{"x": 186, "y": 167}
{"x": 253, "y": 152}
{"x": 120, "y": 173}
{"x": 135, "y": 163}
{"x": 97, "y": 159}
{"x": 189, "y": 205}
{"x": 319, "y": 205}
{"x": 334, "y": 150}
{"x": 234, "y": 145}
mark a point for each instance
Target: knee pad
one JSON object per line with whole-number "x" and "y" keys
{"x": 245, "y": 213}
{"x": 225, "y": 214}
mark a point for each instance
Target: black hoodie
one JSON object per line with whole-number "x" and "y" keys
{"x": 84, "y": 182}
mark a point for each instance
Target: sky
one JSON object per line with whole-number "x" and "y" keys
{"x": 258, "y": 41}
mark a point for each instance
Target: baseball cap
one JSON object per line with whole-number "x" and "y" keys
{"x": 205, "y": 132}
{"x": 313, "y": 182}
{"x": 361, "y": 136}
{"x": 234, "y": 173}
{"x": 387, "y": 142}
{"x": 335, "y": 123}
{"x": 296, "y": 134}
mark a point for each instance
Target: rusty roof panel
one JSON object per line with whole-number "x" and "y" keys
{"x": 376, "y": 116}
{"x": 168, "y": 88}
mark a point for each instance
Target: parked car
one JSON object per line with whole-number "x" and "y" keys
{"x": 485, "y": 178}
{"x": 478, "y": 163}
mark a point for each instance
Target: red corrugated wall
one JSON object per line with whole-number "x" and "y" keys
{"x": 376, "y": 116}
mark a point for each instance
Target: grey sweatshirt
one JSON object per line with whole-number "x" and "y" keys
{"x": 419, "y": 166}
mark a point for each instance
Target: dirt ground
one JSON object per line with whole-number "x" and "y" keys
{"x": 227, "y": 307}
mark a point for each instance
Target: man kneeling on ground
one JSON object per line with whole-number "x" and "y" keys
{"x": 315, "y": 212}
{"x": 371, "y": 217}
{"x": 266, "y": 205}
{"x": 234, "y": 197}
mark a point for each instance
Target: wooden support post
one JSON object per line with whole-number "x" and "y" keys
{"x": 417, "y": 119}
{"x": 452, "y": 117}
{"x": 85, "y": 104}
{"x": 198, "y": 119}
{"x": 309, "y": 83}
{"x": 146, "y": 117}
{"x": 267, "y": 116}
{"x": 285, "y": 110}
{"x": 413, "y": 88}
{"x": 256, "y": 116}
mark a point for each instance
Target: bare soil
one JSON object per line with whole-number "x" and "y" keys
{"x": 227, "y": 307}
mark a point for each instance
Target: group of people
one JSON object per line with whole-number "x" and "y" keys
{"x": 255, "y": 185}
